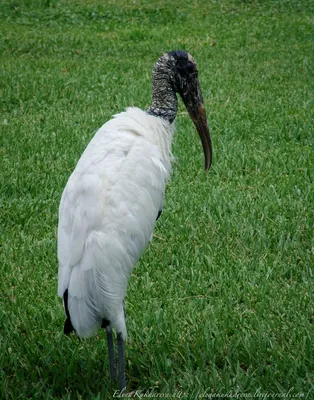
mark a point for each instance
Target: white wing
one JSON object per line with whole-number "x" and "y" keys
{"x": 106, "y": 217}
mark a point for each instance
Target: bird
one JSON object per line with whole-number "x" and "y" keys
{"x": 114, "y": 196}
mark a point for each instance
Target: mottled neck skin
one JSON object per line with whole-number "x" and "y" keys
{"x": 164, "y": 102}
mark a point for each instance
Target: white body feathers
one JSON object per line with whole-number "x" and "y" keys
{"x": 107, "y": 215}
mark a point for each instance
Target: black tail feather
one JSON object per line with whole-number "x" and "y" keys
{"x": 104, "y": 323}
{"x": 68, "y": 327}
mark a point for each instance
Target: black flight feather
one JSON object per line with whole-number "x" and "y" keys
{"x": 68, "y": 327}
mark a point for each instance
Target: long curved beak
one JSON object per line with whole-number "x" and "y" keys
{"x": 193, "y": 101}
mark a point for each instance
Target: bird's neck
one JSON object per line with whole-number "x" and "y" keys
{"x": 164, "y": 102}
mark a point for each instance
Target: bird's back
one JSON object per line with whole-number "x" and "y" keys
{"x": 107, "y": 215}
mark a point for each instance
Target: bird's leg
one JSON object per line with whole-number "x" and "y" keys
{"x": 121, "y": 368}
{"x": 112, "y": 363}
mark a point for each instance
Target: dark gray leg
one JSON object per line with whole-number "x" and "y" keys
{"x": 112, "y": 364}
{"x": 121, "y": 368}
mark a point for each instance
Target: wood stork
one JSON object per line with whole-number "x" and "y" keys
{"x": 112, "y": 199}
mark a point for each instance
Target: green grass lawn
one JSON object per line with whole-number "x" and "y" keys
{"x": 222, "y": 299}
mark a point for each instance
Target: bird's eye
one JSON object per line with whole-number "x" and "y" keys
{"x": 191, "y": 68}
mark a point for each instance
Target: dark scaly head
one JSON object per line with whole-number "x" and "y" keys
{"x": 176, "y": 72}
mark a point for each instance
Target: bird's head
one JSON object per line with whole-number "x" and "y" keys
{"x": 182, "y": 72}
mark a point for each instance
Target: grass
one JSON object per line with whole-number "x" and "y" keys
{"x": 221, "y": 302}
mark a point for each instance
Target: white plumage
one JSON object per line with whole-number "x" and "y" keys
{"x": 111, "y": 202}
{"x": 107, "y": 215}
